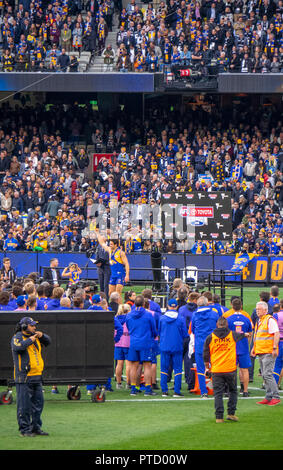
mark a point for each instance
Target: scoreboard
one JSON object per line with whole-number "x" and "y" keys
{"x": 196, "y": 215}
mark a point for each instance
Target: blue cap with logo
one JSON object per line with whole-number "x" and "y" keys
{"x": 173, "y": 303}
{"x": 21, "y": 300}
{"x": 28, "y": 321}
{"x": 96, "y": 299}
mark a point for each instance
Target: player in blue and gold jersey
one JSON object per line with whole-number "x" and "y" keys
{"x": 119, "y": 265}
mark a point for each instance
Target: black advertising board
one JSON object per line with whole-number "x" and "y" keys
{"x": 81, "y": 349}
{"x": 196, "y": 215}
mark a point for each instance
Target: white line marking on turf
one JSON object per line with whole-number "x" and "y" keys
{"x": 169, "y": 399}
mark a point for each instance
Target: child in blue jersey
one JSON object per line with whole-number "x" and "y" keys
{"x": 73, "y": 272}
{"x": 241, "y": 322}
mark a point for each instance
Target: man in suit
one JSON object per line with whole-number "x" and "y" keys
{"x": 237, "y": 215}
{"x": 103, "y": 269}
{"x": 52, "y": 273}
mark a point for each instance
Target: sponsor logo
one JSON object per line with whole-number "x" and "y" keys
{"x": 200, "y": 212}
{"x": 166, "y": 196}
{"x": 186, "y": 211}
{"x": 190, "y": 196}
{"x": 218, "y": 205}
{"x": 173, "y": 206}
{"x": 212, "y": 196}
{"x": 225, "y": 216}
{"x": 219, "y": 225}
{"x": 197, "y": 223}
{"x": 215, "y": 235}
{"x": 173, "y": 225}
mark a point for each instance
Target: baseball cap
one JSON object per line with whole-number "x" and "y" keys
{"x": 96, "y": 299}
{"x": 21, "y": 301}
{"x": 173, "y": 303}
{"x": 28, "y": 320}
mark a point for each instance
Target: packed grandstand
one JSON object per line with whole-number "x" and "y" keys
{"x": 207, "y": 36}
{"x": 48, "y": 185}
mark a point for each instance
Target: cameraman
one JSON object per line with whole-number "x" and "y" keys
{"x": 26, "y": 347}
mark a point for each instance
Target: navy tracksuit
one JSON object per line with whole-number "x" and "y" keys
{"x": 172, "y": 332}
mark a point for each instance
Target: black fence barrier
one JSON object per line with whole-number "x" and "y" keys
{"x": 81, "y": 349}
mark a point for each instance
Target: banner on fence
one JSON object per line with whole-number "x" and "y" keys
{"x": 267, "y": 269}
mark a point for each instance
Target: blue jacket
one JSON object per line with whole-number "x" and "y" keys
{"x": 118, "y": 330}
{"x": 186, "y": 312}
{"x": 172, "y": 332}
{"x": 203, "y": 323}
{"x": 141, "y": 327}
{"x": 155, "y": 307}
{"x": 95, "y": 307}
{"x": 6, "y": 307}
{"x": 12, "y": 304}
{"x": 53, "y": 304}
{"x": 41, "y": 304}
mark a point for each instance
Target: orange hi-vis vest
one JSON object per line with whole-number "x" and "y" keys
{"x": 223, "y": 353}
{"x": 263, "y": 340}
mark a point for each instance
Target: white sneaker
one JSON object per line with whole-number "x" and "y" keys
{"x": 119, "y": 386}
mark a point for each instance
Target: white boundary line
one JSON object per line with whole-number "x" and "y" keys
{"x": 171, "y": 399}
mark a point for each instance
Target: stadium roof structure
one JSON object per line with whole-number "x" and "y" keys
{"x": 137, "y": 83}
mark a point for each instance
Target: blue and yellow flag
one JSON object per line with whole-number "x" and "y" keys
{"x": 241, "y": 261}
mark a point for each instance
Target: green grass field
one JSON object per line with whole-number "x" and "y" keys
{"x": 140, "y": 423}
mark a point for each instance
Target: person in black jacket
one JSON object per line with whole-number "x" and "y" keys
{"x": 63, "y": 61}
{"x": 52, "y": 273}
{"x": 7, "y": 273}
{"x": 26, "y": 347}
{"x": 237, "y": 215}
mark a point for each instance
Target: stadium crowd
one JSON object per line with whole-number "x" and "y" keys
{"x": 48, "y": 190}
{"x": 209, "y": 36}
{"x": 40, "y": 36}
{"x": 141, "y": 327}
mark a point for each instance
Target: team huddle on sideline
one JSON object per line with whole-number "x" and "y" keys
{"x": 195, "y": 332}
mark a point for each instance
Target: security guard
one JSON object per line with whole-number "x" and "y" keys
{"x": 219, "y": 354}
{"x": 26, "y": 347}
